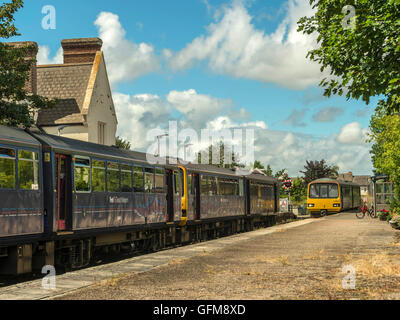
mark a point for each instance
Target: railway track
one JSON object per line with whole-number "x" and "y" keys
{"x": 32, "y": 289}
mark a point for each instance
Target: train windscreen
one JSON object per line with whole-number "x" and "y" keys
{"x": 324, "y": 190}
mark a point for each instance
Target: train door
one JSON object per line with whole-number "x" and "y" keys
{"x": 64, "y": 192}
{"x": 276, "y": 197}
{"x": 196, "y": 195}
{"x": 341, "y": 198}
{"x": 170, "y": 195}
{"x": 248, "y": 196}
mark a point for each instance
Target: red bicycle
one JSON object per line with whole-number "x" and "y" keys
{"x": 364, "y": 210}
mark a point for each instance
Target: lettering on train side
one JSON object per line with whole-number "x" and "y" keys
{"x": 118, "y": 200}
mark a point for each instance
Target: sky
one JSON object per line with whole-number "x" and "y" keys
{"x": 213, "y": 64}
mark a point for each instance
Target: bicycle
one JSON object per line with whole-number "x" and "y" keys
{"x": 365, "y": 210}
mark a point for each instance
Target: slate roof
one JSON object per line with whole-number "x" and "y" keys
{"x": 68, "y": 83}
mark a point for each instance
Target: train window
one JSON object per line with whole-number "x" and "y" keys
{"x": 138, "y": 179}
{"x": 7, "y": 168}
{"x": 149, "y": 179}
{"x": 113, "y": 175}
{"x": 182, "y": 182}
{"x": 99, "y": 175}
{"x": 126, "y": 178}
{"x": 159, "y": 180}
{"x": 190, "y": 184}
{"x": 220, "y": 186}
{"x": 204, "y": 186}
{"x": 177, "y": 183}
{"x": 241, "y": 188}
{"x": 212, "y": 185}
{"x": 82, "y": 174}
{"x": 254, "y": 190}
{"x": 323, "y": 191}
{"x": 333, "y": 191}
{"x": 230, "y": 187}
{"x": 28, "y": 170}
{"x": 314, "y": 191}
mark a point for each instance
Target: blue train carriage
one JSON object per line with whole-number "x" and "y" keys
{"x": 214, "y": 202}
{"x": 103, "y": 199}
{"x": 22, "y": 217}
{"x": 262, "y": 201}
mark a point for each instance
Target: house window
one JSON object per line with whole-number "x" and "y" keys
{"x": 101, "y": 132}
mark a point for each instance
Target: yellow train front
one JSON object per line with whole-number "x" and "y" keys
{"x": 325, "y": 196}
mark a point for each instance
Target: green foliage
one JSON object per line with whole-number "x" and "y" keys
{"x": 317, "y": 170}
{"x": 268, "y": 171}
{"x": 298, "y": 193}
{"x": 363, "y": 61}
{"x": 257, "y": 165}
{"x": 7, "y": 11}
{"x": 122, "y": 143}
{"x": 385, "y": 152}
{"x": 17, "y": 105}
{"x": 211, "y": 153}
{"x": 281, "y": 173}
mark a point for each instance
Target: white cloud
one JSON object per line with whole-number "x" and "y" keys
{"x": 235, "y": 47}
{"x": 125, "y": 59}
{"x": 43, "y": 56}
{"x": 281, "y": 149}
{"x": 197, "y": 108}
{"x": 289, "y": 150}
{"x": 352, "y": 133}
{"x": 138, "y": 114}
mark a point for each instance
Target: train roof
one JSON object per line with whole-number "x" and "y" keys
{"x": 211, "y": 169}
{"x": 340, "y": 182}
{"x": 17, "y": 136}
{"x": 262, "y": 178}
{"x": 84, "y": 148}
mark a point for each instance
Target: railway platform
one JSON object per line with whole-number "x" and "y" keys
{"x": 72, "y": 281}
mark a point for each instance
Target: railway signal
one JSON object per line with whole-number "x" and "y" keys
{"x": 288, "y": 184}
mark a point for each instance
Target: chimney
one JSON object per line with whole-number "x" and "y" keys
{"x": 80, "y": 50}
{"x": 31, "y": 85}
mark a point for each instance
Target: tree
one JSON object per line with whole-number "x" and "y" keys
{"x": 122, "y": 143}
{"x": 385, "y": 133}
{"x": 299, "y": 191}
{"x": 209, "y": 156}
{"x": 363, "y": 60}
{"x": 257, "y": 165}
{"x": 17, "y": 105}
{"x": 268, "y": 171}
{"x": 281, "y": 173}
{"x": 317, "y": 170}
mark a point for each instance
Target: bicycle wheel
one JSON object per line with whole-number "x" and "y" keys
{"x": 372, "y": 213}
{"x": 360, "y": 215}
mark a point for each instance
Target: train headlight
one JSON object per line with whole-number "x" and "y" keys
{"x": 336, "y": 205}
{"x": 310, "y": 205}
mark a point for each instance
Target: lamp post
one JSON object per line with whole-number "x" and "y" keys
{"x": 158, "y": 141}
{"x": 59, "y": 128}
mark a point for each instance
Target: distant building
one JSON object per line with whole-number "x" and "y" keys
{"x": 85, "y": 110}
{"x": 363, "y": 181}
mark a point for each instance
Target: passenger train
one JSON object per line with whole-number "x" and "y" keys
{"x": 64, "y": 201}
{"x": 331, "y": 196}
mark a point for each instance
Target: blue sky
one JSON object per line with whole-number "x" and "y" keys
{"x": 257, "y": 72}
